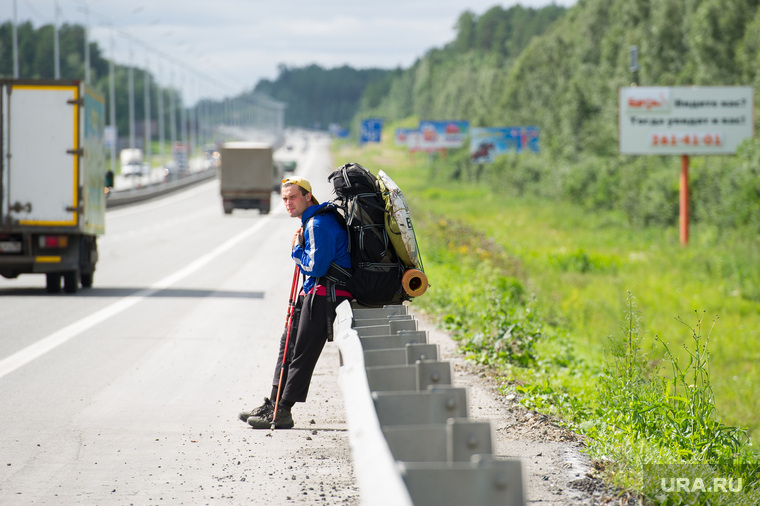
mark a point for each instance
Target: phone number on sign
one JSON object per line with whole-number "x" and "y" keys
{"x": 675, "y": 139}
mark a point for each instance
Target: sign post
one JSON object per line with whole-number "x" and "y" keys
{"x": 697, "y": 120}
{"x": 684, "y": 200}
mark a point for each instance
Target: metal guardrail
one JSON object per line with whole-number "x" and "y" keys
{"x": 411, "y": 440}
{"x": 123, "y": 197}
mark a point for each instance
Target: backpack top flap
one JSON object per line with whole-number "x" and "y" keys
{"x": 351, "y": 180}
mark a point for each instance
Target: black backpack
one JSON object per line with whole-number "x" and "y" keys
{"x": 377, "y": 269}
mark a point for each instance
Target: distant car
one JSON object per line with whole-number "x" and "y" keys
{"x": 286, "y": 157}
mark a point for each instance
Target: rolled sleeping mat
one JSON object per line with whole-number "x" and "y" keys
{"x": 415, "y": 282}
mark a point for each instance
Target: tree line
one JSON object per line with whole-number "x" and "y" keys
{"x": 315, "y": 97}
{"x": 564, "y": 78}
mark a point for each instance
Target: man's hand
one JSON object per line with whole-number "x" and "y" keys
{"x": 298, "y": 238}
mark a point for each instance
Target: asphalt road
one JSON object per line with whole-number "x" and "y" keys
{"x": 128, "y": 392}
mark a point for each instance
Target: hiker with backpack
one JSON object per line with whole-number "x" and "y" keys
{"x": 318, "y": 246}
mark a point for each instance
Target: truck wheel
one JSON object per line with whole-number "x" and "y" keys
{"x": 71, "y": 281}
{"x": 88, "y": 258}
{"x": 53, "y": 282}
{"x": 264, "y": 211}
{"x": 86, "y": 279}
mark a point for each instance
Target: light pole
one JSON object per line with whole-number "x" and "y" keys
{"x": 172, "y": 114}
{"x": 148, "y": 147}
{"x": 87, "y": 44}
{"x": 56, "y": 48}
{"x": 183, "y": 116}
{"x": 15, "y": 40}
{"x": 160, "y": 112}
{"x": 112, "y": 106}
{"x": 131, "y": 84}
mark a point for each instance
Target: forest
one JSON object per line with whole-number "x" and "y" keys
{"x": 564, "y": 78}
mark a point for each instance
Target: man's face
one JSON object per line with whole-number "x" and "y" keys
{"x": 295, "y": 202}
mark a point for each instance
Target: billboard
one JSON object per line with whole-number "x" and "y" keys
{"x": 486, "y": 143}
{"x": 681, "y": 120}
{"x": 443, "y": 134}
{"x": 403, "y": 135}
{"x": 338, "y": 131}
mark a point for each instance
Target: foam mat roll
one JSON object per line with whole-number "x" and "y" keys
{"x": 415, "y": 282}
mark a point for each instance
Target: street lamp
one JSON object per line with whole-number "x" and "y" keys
{"x": 15, "y": 40}
{"x": 147, "y": 115}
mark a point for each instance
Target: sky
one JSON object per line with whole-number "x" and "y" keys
{"x": 218, "y": 48}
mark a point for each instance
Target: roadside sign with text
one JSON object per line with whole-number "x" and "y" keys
{"x": 698, "y": 120}
{"x": 109, "y": 136}
{"x": 371, "y": 130}
{"x": 443, "y": 134}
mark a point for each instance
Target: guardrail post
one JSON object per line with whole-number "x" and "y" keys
{"x": 412, "y": 420}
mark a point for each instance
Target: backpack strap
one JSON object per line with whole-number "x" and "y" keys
{"x": 336, "y": 276}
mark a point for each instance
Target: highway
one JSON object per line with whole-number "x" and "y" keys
{"x": 128, "y": 392}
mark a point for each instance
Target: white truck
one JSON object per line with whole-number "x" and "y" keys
{"x": 52, "y": 178}
{"x": 132, "y": 162}
{"x": 248, "y": 176}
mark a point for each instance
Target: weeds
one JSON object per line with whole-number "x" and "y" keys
{"x": 510, "y": 326}
{"x": 668, "y": 420}
{"x": 690, "y": 405}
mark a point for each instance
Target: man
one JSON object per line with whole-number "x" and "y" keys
{"x": 320, "y": 242}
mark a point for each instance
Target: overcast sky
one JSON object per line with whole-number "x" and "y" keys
{"x": 220, "y": 48}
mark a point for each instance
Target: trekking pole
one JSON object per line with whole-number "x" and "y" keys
{"x": 288, "y": 326}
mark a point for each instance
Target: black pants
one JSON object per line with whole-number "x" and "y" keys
{"x": 307, "y": 339}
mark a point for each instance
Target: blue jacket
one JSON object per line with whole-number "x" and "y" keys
{"x": 325, "y": 241}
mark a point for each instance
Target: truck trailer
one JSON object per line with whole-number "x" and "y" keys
{"x": 52, "y": 178}
{"x": 248, "y": 176}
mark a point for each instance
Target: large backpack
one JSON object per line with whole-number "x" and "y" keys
{"x": 377, "y": 269}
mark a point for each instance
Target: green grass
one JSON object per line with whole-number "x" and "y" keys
{"x": 547, "y": 294}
